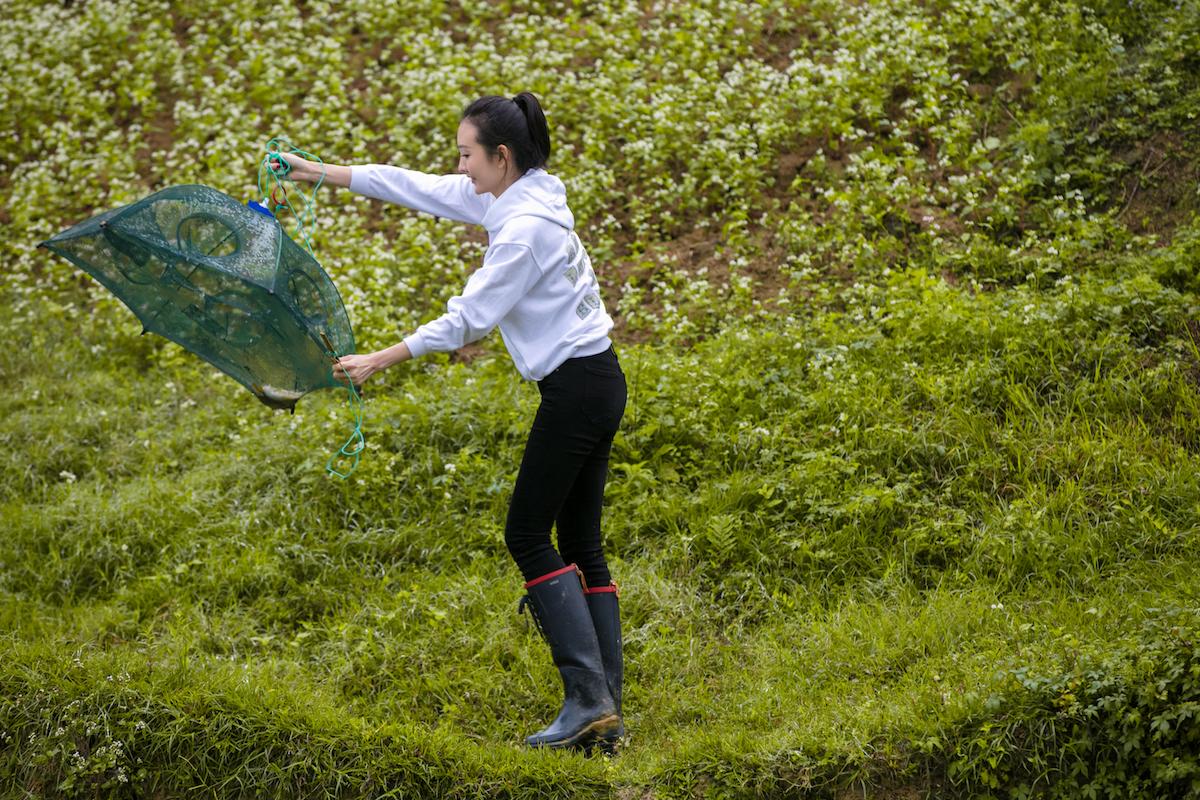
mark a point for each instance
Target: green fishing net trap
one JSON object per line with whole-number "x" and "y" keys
{"x": 224, "y": 280}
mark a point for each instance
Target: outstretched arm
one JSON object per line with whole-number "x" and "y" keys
{"x": 449, "y": 196}
{"x": 491, "y": 292}
{"x": 360, "y": 367}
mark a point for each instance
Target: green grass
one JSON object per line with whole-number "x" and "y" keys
{"x": 904, "y": 501}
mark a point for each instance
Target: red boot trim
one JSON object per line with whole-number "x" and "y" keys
{"x": 555, "y": 574}
{"x": 612, "y": 587}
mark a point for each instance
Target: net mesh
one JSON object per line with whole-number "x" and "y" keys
{"x": 222, "y": 280}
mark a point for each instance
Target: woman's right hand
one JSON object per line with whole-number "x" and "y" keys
{"x": 312, "y": 171}
{"x": 302, "y": 168}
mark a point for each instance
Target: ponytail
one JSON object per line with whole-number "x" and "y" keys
{"x": 535, "y": 120}
{"x": 517, "y": 123}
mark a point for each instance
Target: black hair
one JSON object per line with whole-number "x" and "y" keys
{"x": 517, "y": 122}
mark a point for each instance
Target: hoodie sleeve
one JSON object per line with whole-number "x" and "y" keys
{"x": 449, "y": 196}
{"x": 509, "y": 271}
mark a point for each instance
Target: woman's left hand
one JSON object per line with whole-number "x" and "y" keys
{"x": 355, "y": 367}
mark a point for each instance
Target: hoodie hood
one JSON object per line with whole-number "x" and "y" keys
{"x": 537, "y": 193}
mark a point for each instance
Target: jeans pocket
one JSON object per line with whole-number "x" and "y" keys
{"x": 604, "y": 395}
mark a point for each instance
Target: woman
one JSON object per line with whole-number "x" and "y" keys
{"x": 537, "y": 285}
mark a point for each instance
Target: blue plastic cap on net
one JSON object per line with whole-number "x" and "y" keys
{"x": 260, "y": 208}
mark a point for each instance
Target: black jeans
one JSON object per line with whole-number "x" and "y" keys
{"x": 565, "y": 466}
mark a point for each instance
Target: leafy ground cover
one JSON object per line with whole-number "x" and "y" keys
{"x": 904, "y": 502}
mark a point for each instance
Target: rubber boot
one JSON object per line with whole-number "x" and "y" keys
{"x": 606, "y": 617}
{"x": 560, "y": 611}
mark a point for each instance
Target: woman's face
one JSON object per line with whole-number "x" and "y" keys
{"x": 489, "y": 174}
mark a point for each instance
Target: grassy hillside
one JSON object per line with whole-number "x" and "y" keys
{"x": 904, "y": 503}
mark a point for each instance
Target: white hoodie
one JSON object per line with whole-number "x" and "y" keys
{"x": 536, "y": 282}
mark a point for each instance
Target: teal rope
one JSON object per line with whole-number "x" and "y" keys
{"x": 356, "y": 436}
{"x": 307, "y": 217}
{"x": 267, "y": 171}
